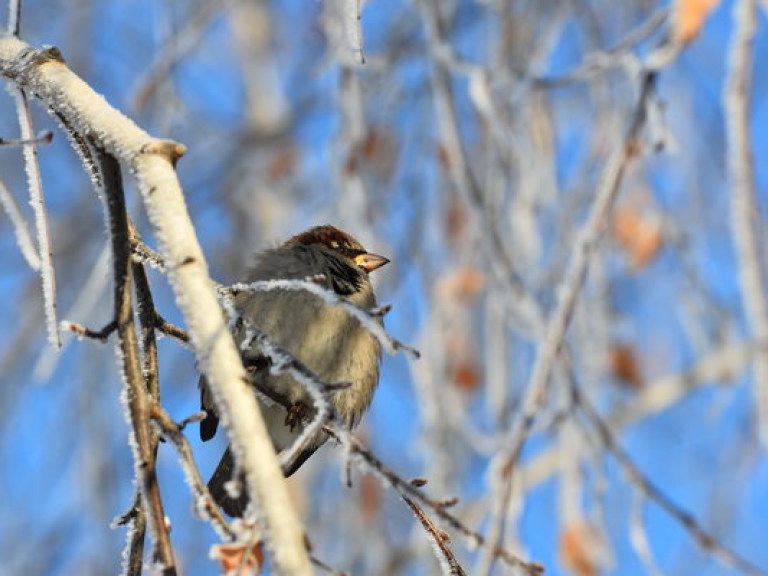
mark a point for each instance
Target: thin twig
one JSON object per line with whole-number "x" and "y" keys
{"x": 136, "y": 520}
{"x": 412, "y": 489}
{"x": 447, "y": 560}
{"x": 205, "y": 506}
{"x": 171, "y": 330}
{"x": 37, "y": 200}
{"x": 85, "y": 332}
{"x": 130, "y": 361}
{"x": 370, "y": 320}
{"x": 45, "y": 137}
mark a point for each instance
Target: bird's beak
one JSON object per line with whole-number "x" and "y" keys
{"x": 369, "y": 262}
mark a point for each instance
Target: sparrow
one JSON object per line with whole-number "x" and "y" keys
{"x": 326, "y": 339}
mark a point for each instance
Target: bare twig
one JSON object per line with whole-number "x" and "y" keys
{"x": 101, "y": 335}
{"x": 204, "y": 504}
{"x": 130, "y": 361}
{"x": 45, "y": 137}
{"x": 448, "y": 562}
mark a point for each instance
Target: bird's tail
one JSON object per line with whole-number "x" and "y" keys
{"x": 233, "y": 506}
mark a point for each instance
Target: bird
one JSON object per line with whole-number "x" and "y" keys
{"x": 326, "y": 339}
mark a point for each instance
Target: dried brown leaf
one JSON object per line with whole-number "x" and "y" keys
{"x": 625, "y": 366}
{"x": 688, "y": 17}
{"x": 233, "y": 557}
{"x": 639, "y": 235}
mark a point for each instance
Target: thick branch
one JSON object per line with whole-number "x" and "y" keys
{"x": 44, "y": 75}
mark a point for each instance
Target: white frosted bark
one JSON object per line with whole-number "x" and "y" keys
{"x": 151, "y": 161}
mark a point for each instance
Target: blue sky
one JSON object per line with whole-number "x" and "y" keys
{"x": 63, "y": 439}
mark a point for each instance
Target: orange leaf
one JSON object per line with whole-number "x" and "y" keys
{"x": 688, "y": 17}
{"x": 462, "y": 283}
{"x": 582, "y": 550}
{"x": 639, "y": 235}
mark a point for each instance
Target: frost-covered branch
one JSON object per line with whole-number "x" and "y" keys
{"x": 369, "y": 319}
{"x": 369, "y": 462}
{"x": 282, "y": 361}
{"x": 133, "y": 553}
{"x": 439, "y": 540}
{"x": 37, "y": 200}
{"x": 129, "y": 357}
{"x": 44, "y": 74}
{"x": 204, "y": 505}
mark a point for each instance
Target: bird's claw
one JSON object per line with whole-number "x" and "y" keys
{"x": 297, "y": 413}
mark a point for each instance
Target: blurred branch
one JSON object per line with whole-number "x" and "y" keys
{"x": 745, "y": 226}
{"x": 605, "y": 60}
{"x": 712, "y": 369}
{"x": 504, "y": 463}
{"x": 524, "y": 306}
{"x": 21, "y": 230}
{"x": 181, "y": 43}
{"x": 14, "y": 17}
{"x": 704, "y": 539}
{"x": 45, "y": 137}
